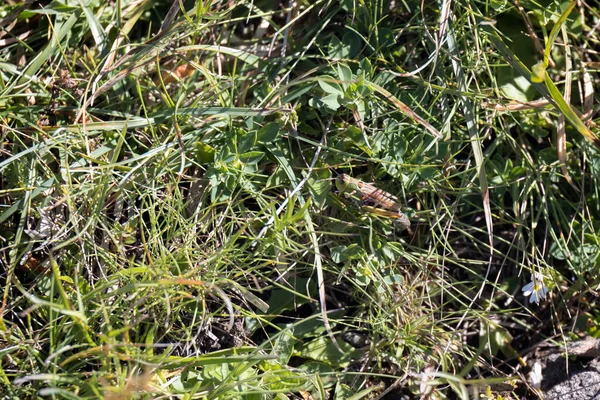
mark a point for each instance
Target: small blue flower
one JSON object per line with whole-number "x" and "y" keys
{"x": 536, "y": 288}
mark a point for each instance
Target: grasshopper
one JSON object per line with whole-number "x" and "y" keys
{"x": 383, "y": 203}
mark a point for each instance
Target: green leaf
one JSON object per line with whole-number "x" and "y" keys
{"x": 558, "y": 251}
{"x": 54, "y": 8}
{"x": 252, "y": 157}
{"x": 204, "y": 153}
{"x": 340, "y": 254}
{"x": 269, "y": 132}
{"x": 345, "y": 74}
{"x": 549, "y": 90}
{"x": 517, "y": 89}
{"x": 362, "y": 107}
{"x": 283, "y": 347}
{"x": 337, "y": 49}
{"x": 351, "y": 44}
{"x": 554, "y": 33}
{"x": 294, "y": 219}
{"x": 246, "y": 142}
{"x": 570, "y": 115}
{"x": 584, "y": 258}
{"x": 331, "y": 101}
{"x": 323, "y": 349}
{"x": 319, "y": 186}
{"x": 383, "y": 39}
{"x": 393, "y": 279}
{"x": 312, "y": 327}
{"x": 282, "y": 300}
{"x": 355, "y": 138}
{"x": 324, "y": 371}
{"x": 226, "y": 155}
{"x": 330, "y": 86}
{"x": 538, "y": 71}
{"x": 493, "y": 337}
{"x": 365, "y": 65}
{"x": 284, "y": 163}
{"x": 67, "y": 279}
{"x": 296, "y": 92}
{"x": 343, "y": 391}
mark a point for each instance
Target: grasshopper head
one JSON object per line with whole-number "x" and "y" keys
{"x": 346, "y": 184}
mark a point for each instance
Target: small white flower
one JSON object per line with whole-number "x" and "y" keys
{"x": 536, "y": 288}
{"x": 535, "y": 376}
